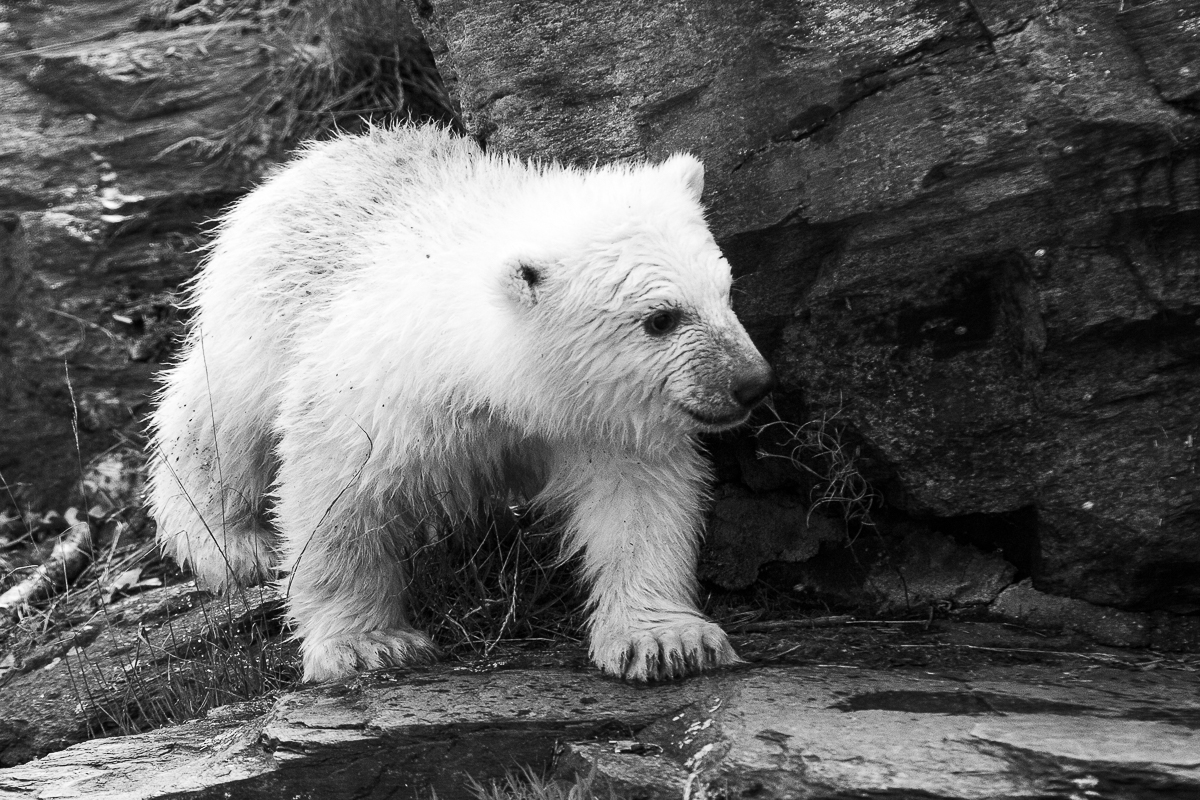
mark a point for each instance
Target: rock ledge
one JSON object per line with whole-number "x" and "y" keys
{"x": 781, "y": 731}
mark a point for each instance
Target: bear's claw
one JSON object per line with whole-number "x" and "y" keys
{"x": 345, "y": 654}
{"x": 663, "y": 652}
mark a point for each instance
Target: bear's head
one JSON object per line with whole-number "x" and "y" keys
{"x": 624, "y": 298}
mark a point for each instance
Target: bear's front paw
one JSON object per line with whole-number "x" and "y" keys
{"x": 658, "y": 652}
{"x": 343, "y": 655}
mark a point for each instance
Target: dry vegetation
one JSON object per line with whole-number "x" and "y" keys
{"x": 828, "y": 468}
{"x": 337, "y": 65}
{"x": 529, "y": 785}
{"x": 496, "y": 583}
{"x": 136, "y": 658}
{"x": 236, "y": 652}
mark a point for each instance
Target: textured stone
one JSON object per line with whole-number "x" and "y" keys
{"x": 108, "y": 135}
{"x": 931, "y": 569}
{"x": 746, "y": 530}
{"x": 772, "y": 732}
{"x": 14, "y": 272}
{"x": 1024, "y": 604}
{"x": 1167, "y": 35}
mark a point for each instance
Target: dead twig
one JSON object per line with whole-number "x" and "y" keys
{"x": 69, "y": 557}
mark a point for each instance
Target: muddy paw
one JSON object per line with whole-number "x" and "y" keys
{"x": 659, "y": 652}
{"x": 341, "y": 656}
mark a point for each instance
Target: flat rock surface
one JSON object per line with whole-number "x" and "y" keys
{"x": 1072, "y": 729}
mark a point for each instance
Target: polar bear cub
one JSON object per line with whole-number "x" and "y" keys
{"x": 397, "y": 327}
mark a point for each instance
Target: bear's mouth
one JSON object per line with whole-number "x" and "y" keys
{"x": 713, "y": 423}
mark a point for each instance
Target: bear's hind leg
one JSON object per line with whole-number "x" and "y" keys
{"x": 346, "y": 590}
{"x": 637, "y": 524}
{"x": 211, "y": 464}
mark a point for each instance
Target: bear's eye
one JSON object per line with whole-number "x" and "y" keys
{"x": 660, "y": 323}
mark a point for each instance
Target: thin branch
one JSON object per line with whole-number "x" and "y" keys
{"x": 69, "y": 558}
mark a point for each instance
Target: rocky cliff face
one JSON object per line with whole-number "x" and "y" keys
{"x": 106, "y": 179}
{"x": 970, "y": 230}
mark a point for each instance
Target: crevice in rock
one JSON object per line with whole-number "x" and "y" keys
{"x": 900, "y": 69}
{"x": 1176, "y": 584}
{"x": 1011, "y": 27}
{"x": 815, "y": 119}
{"x": 983, "y": 303}
{"x": 1013, "y": 533}
{"x": 965, "y": 702}
{"x": 1177, "y": 328}
{"x": 755, "y": 256}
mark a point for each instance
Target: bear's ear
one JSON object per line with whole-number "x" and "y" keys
{"x": 523, "y": 281}
{"x": 688, "y": 170}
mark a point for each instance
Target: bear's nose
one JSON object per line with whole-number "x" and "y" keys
{"x": 753, "y": 384}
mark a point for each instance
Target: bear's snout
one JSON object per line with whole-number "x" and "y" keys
{"x": 754, "y": 382}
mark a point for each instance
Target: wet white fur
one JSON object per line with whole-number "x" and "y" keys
{"x": 368, "y": 357}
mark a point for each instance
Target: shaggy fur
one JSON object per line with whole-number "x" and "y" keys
{"x": 397, "y": 327}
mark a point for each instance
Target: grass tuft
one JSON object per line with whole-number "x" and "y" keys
{"x": 527, "y": 784}
{"x": 494, "y": 583}
{"x": 823, "y": 454}
{"x": 359, "y": 62}
{"x": 238, "y": 653}
{"x": 333, "y": 65}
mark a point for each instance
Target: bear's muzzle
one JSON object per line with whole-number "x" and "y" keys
{"x": 753, "y": 383}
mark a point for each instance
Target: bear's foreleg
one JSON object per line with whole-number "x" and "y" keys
{"x": 344, "y": 553}
{"x": 637, "y": 524}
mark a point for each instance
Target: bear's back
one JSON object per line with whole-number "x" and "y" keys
{"x": 345, "y": 210}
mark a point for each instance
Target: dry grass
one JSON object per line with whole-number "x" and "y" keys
{"x": 827, "y": 463}
{"x": 178, "y": 673}
{"x": 527, "y": 784}
{"x": 30, "y": 539}
{"x": 494, "y": 583}
{"x": 334, "y": 65}
{"x": 136, "y": 655}
{"x": 357, "y": 62}
{"x": 239, "y": 657}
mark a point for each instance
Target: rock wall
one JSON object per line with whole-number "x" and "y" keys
{"x": 109, "y": 134}
{"x": 969, "y": 230}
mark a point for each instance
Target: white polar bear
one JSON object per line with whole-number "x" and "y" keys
{"x": 398, "y": 326}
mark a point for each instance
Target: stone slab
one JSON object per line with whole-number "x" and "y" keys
{"x": 775, "y": 731}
